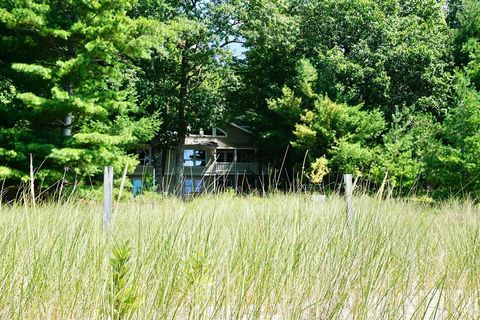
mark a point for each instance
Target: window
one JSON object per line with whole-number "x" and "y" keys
{"x": 208, "y": 132}
{"x": 191, "y": 185}
{"x": 214, "y": 132}
{"x": 194, "y": 158}
{"x": 245, "y": 155}
{"x": 225, "y": 155}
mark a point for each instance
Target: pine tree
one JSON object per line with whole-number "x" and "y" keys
{"x": 70, "y": 97}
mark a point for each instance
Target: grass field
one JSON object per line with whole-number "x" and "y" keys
{"x": 226, "y": 257}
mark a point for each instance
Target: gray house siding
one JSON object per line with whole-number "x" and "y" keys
{"x": 212, "y": 163}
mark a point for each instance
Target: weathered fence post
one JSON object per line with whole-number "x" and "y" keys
{"x": 349, "y": 197}
{"x": 107, "y": 196}
{"x": 32, "y": 184}
{"x": 154, "y": 185}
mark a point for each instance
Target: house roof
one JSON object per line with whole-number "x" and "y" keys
{"x": 243, "y": 128}
{"x": 203, "y": 144}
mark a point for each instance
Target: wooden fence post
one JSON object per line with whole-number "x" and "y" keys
{"x": 32, "y": 184}
{"x": 107, "y": 196}
{"x": 154, "y": 185}
{"x": 349, "y": 197}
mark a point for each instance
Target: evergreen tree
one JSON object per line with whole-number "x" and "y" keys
{"x": 70, "y": 98}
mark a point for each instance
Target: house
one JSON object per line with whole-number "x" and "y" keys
{"x": 215, "y": 159}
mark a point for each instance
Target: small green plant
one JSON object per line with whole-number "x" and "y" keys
{"x": 319, "y": 169}
{"x": 122, "y": 294}
{"x": 196, "y": 268}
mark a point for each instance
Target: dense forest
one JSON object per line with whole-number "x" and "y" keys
{"x": 388, "y": 90}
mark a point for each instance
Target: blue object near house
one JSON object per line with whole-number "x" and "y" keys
{"x": 137, "y": 186}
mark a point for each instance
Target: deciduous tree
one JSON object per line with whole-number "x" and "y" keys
{"x": 188, "y": 85}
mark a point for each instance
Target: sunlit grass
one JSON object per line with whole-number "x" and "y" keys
{"x": 225, "y": 257}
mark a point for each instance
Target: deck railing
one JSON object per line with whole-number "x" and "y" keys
{"x": 236, "y": 167}
{"x": 218, "y": 168}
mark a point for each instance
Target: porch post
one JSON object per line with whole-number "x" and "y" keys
{"x": 235, "y": 168}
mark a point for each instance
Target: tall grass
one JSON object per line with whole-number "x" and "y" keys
{"x": 227, "y": 257}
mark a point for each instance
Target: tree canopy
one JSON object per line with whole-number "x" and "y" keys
{"x": 69, "y": 97}
{"x": 385, "y": 89}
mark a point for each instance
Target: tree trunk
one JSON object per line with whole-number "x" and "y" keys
{"x": 182, "y": 125}
{"x": 179, "y": 167}
{"x": 157, "y": 159}
{"x": 67, "y": 121}
{"x": 67, "y": 129}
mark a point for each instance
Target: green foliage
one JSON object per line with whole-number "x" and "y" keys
{"x": 381, "y": 53}
{"x": 196, "y": 268}
{"x": 189, "y": 82}
{"x": 345, "y": 134}
{"x": 453, "y": 167}
{"x": 75, "y": 66}
{"x": 401, "y": 156}
{"x": 374, "y": 86}
{"x": 271, "y": 34}
{"x": 318, "y": 170}
{"x": 351, "y": 157}
{"x": 123, "y": 296}
{"x": 373, "y": 61}
{"x": 453, "y": 164}
{"x": 288, "y": 105}
{"x": 467, "y": 35}
{"x": 381, "y": 88}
